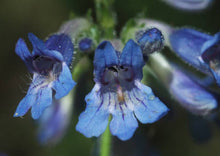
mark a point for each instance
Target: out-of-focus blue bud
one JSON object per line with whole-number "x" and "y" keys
{"x": 55, "y": 121}
{"x": 191, "y": 95}
{"x": 85, "y": 45}
{"x": 163, "y": 27}
{"x": 150, "y": 40}
{"x": 189, "y": 5}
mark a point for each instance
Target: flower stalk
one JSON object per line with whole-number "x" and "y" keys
{"x": 105, "y": 143}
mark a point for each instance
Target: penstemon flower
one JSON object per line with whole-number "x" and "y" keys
{"x": 198, "y": 49}
{"x": 49, "y": 62}
{"x": 119, "y": 92}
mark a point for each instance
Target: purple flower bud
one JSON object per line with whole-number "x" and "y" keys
{"x": 165, "y": 29}
{"x": 85, "y": 45}
{"x": 150, "y": 40}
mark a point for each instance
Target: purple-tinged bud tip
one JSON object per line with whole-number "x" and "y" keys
{"x": 85, "y": 45}
{"x": 150, "y": 40}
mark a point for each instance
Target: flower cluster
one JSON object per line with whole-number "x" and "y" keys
{"x": 119, "y": 97}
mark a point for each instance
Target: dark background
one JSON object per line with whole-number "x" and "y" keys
{"x": 169, "y": 136}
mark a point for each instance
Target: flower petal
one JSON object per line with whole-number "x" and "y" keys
{"x": 25, "y": 104}
{"x": 187, "y": 44}
{"x": 123, "y": 124}
{"x": 189, "y": 5}
{"x": 42, "y": 101}
{"x": 147, "y": 107}
{"x": 193, "y": 97}
{"x": 55, "y": 121}
{"x": 132, "y": 56}
{"x": 64, "y": 83}
{"x": 63, "y": 44}
{"x": 211, "y": 49}
{"x": 39, "y": 96}
{"x": 22, "y": 51}
{"x": 105, "y": 56}
{"x": 94, "y": 120}
{"x": 39, "y": 48}
{"x": 37, "y": 44}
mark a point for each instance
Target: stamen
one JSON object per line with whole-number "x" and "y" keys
{"x": 120, "y": 94}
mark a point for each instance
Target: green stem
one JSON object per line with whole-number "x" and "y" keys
{"x": 105, "y": 143}
{"x": 105, "y": 17}
{"x": 81, "y": 67}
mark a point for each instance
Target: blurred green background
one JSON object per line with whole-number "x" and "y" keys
{"x": 169, "y": 136}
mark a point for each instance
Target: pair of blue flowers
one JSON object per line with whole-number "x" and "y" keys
{"x": 118, "y": 90}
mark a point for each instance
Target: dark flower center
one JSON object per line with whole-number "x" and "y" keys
{"x": 117, "y": 79}
{"x": 46, "y": 66}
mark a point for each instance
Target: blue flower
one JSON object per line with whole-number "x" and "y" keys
{"x": 190, "y": 94}
{"x": 119, "y": 92}
{"x": 198, "y": 49}
{"x": 49, "y": 63}
{"x": 189, "y": 5}
{"x": 55, "y": 120}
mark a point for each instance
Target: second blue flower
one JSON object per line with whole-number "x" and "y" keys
{"x": 119, "y": 92}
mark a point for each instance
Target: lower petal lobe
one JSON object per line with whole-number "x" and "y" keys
{"x": 39, "y": 97}
{"x": 94, "y": 120}
{"x": 123, "y": 124}
{"x": 64, "y": 83}
{"x": 148, "y": 108}
{"x": 43, "y": 100}
{"x": 25, "y": 104}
